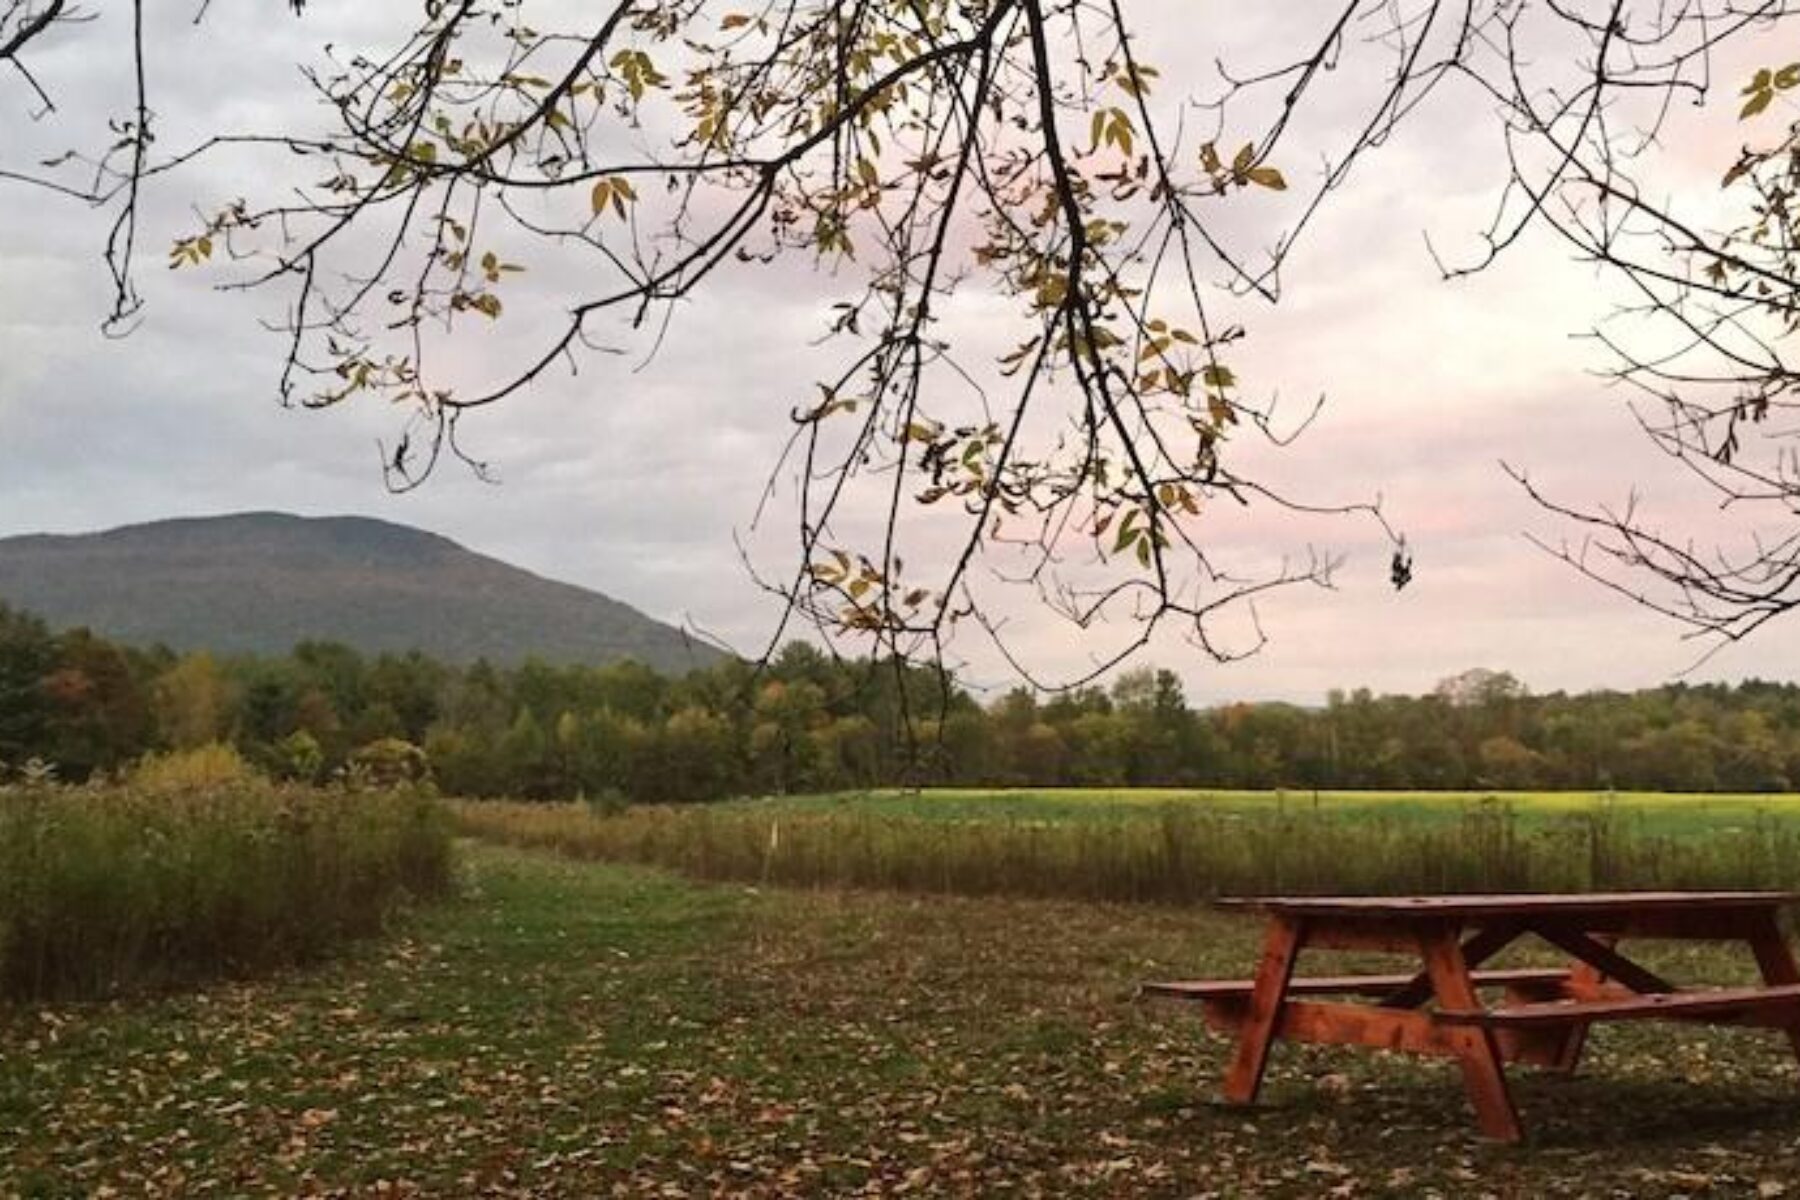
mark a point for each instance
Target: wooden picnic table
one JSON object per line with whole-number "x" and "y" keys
{"x": 1543, "y": 1015}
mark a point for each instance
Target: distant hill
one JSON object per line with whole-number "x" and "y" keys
{"x": 260, "y": 582}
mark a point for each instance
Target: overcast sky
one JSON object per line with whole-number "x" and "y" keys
{"x": 631, "y": 479}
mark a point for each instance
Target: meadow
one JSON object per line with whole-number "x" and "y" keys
{"x": 577, "y": 1029}
{"x": 1182, "y": 847}
{"x": 113, "y": 889}
{"x": 250, "y": 1002}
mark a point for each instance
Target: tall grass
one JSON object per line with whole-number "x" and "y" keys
{"x": 1181, "y": 855}
{"x": 109, "y": 889}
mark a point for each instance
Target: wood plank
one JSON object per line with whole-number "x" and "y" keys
{"x": 1281, "y": 948}
{"x": 1775, "y": 959}
{"x": 1586, "y": 982}
{"x": 1361, "y": 933}
{"x": 1410, "y": 908}
{"x": 1778, "y": 1004}
{"x": 1365, "y": 1025}
{"x": 1352, "y": 985}
{"x": 1483, "y": 945}
{"x": 1403, "y": 1031}
{"x": 1602, "y": 957}
{"x": 1477, "y": 1049}
{"x": 1717, "y": 923}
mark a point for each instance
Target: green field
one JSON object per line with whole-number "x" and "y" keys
{"x": 1655, "y": 812}
{"x": 568, "y": 1029}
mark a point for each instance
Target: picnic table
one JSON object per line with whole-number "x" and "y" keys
{"x": 1542, "y": 1016}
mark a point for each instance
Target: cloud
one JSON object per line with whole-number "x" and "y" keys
{"x": 634, "y": 477}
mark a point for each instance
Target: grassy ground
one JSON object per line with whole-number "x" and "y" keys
{"x": 1653, "y": 812}
{"x": 569, "y": 1029}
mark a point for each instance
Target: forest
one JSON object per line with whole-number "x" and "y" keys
{"x": 76, "y": 705}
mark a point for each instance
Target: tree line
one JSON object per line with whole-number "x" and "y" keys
{"x": 80, "y": 705}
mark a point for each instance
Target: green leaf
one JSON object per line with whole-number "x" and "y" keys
{"x": 1757, "y": 103}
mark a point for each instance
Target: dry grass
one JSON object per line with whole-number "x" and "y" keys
{"x": 1178, "y": 854}
{"x": 110, "y": 889}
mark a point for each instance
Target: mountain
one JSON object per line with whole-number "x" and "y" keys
{"x": 260, "y": 582}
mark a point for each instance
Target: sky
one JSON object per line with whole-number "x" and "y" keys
{"x": 637, "y": 478}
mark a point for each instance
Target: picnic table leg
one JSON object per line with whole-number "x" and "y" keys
{"x": 1776, "y": 959}
{"x": 1475, "y": 1046}
{"x": 1281, "y": 948}
{"x": 1585, "y": 980}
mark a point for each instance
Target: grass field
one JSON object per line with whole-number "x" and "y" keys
{"x": 1655, "y": 812}
{"x": 1171, "y": 847}
{"x": 568, "y": 1029}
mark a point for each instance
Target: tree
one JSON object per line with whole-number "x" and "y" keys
{"x": 409, "y": 685}
{"x": 784, "y": 748}
{"x": 1508, "y": 765}
{"x": 191, "y": 703}
{"x": 97, "y": 718}
{"x": 1702, "y": 339}
{"x": 26, "y": 654}
{"x": 1158, "y": 726}
{"x": 916, "y": 150}
{"x": 527, "y": 759}
{"x": 336, "y": 670}
{"x": 698, "y": 755}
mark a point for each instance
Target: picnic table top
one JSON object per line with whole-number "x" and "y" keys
{"x": 1504, "y": 904}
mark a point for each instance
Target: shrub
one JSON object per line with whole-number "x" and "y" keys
{"x": 116, "y": 888}
{"x": 299, "y": 757}
{"x": 214, "y": 765}
{"x": 389, "y": 762}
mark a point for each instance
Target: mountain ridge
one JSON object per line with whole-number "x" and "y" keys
{"x": 259, "y": 582}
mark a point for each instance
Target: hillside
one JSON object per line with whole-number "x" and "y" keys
{"x": 260, "y": 582}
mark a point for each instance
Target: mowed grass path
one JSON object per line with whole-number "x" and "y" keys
{"x": 1652, "y": 812}
{"x": 568, "y": 1029}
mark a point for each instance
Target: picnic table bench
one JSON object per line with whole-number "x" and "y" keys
{"x": 1542, "y": 1016}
